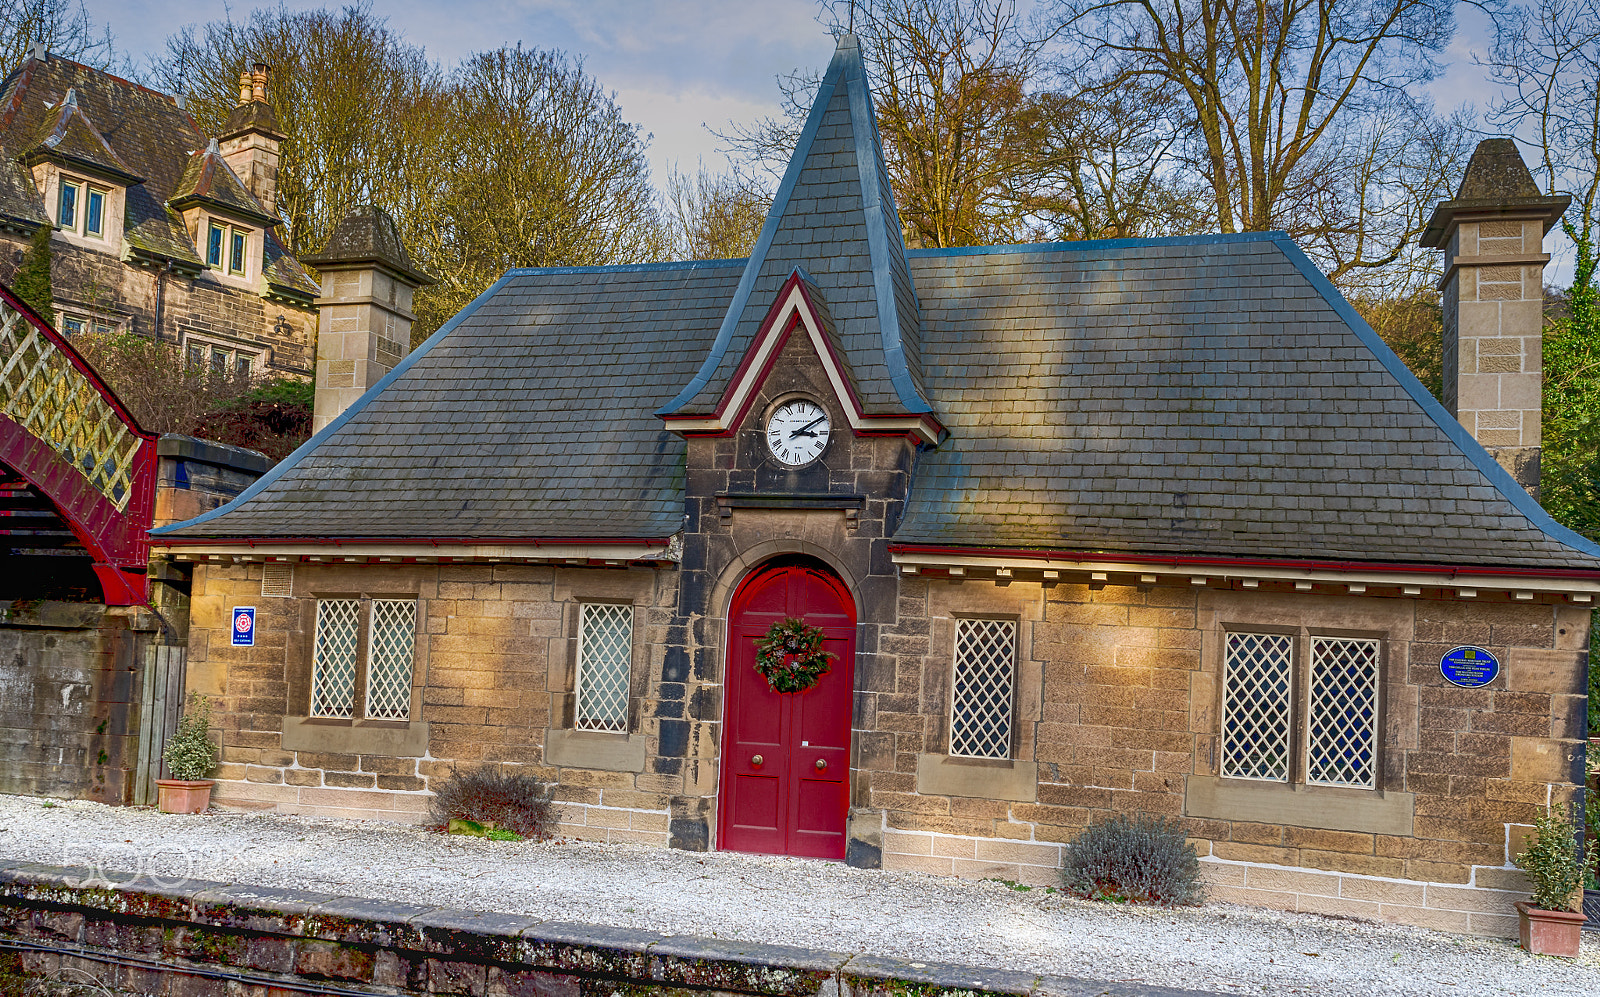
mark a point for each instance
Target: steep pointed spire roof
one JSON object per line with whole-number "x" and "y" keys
{"x": 834, "y": 217}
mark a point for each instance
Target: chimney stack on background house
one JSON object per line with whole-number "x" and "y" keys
{"x": 250, "y": 139}
{"x": 364, "y": 314}
{"x": 1492, "y": 234}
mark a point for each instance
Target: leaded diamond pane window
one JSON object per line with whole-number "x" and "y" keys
{"x": 1256, "y": 706}
{"x": 390, "y": 643}
{"x": 1341, "y": 730}
{"x": 333, "y": 660}
{"x": 982, "y": 688}
{"x": 605, "y": 654}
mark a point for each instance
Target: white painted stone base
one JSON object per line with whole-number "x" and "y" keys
{"x": 1481, "y": 907}
{"x": 321, "y": 801}
{"x": 1031, "y": 863}
{"x": 599, "y": 822}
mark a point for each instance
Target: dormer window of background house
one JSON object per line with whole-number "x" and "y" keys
{"x": 81, "y": 208}
{"x": 227, "y": 248}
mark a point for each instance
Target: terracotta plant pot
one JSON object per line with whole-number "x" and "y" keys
{"x": 183, "y": 796}
{"x": 1549, "y": 932}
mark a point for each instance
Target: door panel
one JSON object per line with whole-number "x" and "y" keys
{"x": 775, "y": 797}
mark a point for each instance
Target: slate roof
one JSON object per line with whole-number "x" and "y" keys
{"x": 834, "y": 217}
{"x": 529, "y": 416}
{"x": 146, "y": 131}
{"x": 209, "y": 180}
{"x": 1202, "y": 396}
{"x": 1192, "y": 396}
{"x": 368, "y": 235}
{"x": 67, "y": 132}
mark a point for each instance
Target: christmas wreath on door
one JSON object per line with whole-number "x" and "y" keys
{"x": 790, "y": 657}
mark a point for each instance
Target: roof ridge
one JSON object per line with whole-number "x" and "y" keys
{"x": 1095, "y": 245}
{"x": 621, "y": 267}
{"x": 108, "y": 75}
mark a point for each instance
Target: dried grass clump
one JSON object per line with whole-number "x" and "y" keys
{"x": 516, "y": 803}
{"x": 1139, "y": 859}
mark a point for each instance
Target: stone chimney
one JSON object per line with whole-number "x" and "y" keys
{"x": 250, "y": 140}
{"x": 364, "y": 322}
{"x": 1492, "y": 235}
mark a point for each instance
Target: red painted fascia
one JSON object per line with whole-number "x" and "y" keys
{"x": 935, "y": 427}
{"x": 1200, "y": 561}
{"x": 165, "y": 541}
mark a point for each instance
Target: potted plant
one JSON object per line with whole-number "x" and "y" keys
{"x": 190, "y": 757}
{"x": 1552, "y": 860}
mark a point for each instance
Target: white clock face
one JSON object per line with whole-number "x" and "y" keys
{"x": 797, "y": 433}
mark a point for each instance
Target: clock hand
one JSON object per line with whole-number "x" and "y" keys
{"x": 805, "y": 430}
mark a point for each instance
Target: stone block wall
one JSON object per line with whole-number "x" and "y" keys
{"x": 69, "y": 698}
{"x": 1493, "y": 337}
{"x": 493, "y": 674}
{"x": 1117, "y": 704}
{"x": 1126, "y": 720}
{"x": 99, "y": 285}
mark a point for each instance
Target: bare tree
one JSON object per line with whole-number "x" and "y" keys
{"x": 1546, "y": 57}
{"x": 1112, "y": 172}
{"x": 65, "y": 28}
{"x": 1547, "y": 60}
{"x": 514, "y": 158}
{"x": 713, "y": 216}
{"x": 1307, "y": 115}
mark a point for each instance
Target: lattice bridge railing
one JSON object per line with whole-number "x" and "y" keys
{"x": 65, "y": 433}
{"x": 44, "y": 393}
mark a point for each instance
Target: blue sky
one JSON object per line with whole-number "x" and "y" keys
{"x": 675, "y": 65}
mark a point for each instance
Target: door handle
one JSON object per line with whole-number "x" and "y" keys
{"x": 822, "y": 763}
{"x": 756, "y": 760}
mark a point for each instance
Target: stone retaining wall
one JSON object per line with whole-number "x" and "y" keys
{"x": 203, "y": 939}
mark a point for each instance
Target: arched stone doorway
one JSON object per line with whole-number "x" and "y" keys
{"x": 785, "y": 773}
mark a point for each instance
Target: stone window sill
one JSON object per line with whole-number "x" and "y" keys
{"x": 982, "y": 778}
{"x": 583, "y": 749}
{"x": 356, "y": 737}
{"x": 1329, "y": 808}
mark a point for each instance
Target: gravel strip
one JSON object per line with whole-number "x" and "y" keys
{"x": 1218, "y": 947}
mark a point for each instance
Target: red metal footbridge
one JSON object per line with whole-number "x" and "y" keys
{"x": 77, "y": 474}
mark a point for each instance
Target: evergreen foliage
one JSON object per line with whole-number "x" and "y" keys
{"x": 1553, "y": 861}
{"x": 33, "y": 281}
{"x": 189, "y": 753}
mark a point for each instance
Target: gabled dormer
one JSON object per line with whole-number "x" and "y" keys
{"x": 81, "y": 179}
{"x": 227, "y": 224}
{"x": 833, "y": 219}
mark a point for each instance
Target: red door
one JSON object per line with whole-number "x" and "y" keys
{"x": 786, "y": 756}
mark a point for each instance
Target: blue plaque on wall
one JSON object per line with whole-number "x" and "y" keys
{"x": 1469, "y": 667}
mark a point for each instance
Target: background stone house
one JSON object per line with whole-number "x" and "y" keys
{"x": 1140, "y": 526}
{"x": 158, "y": 230}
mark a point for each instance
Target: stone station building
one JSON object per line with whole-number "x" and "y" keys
{"x": 1148, "y": 525}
